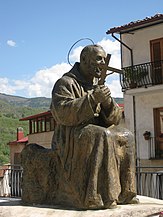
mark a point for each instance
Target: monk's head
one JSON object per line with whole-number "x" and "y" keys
{"x": 92, "y": 59}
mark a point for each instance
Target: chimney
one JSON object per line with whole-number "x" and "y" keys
{"x": 20, "y": 133}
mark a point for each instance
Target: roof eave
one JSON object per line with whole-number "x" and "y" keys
{"x": 36, "y": 116}
{"x": 137, "y": 26}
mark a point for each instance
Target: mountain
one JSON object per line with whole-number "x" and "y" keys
{"x": 12, "y": 108}
{"x": 37, "y": 102}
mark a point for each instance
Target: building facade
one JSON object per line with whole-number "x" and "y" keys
{"x": 142, "y": 83}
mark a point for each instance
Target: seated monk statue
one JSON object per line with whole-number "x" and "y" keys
{"x": 96, "y": 156}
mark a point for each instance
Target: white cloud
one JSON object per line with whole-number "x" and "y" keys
{"x": 6, "y": 87}
{"x": 11, "y": 43}
{"x": 42, "y": 82}
{"x": 75, "y": 55}
{"x": 113, "y": 48}
{"x": 114, "y": 86}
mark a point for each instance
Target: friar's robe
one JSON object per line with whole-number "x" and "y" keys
{"x": 96, "y": 156}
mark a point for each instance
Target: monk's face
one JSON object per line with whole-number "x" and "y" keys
{"x": 96, "y": 60}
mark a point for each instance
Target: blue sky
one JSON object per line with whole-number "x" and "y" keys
{"x": 36, "y": 35}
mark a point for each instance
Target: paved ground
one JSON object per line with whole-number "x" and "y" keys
{"x": 148, "y": 207}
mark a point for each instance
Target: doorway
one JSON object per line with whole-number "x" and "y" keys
{"x": 158, "y": 126}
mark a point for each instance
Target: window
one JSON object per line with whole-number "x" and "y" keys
{"x": 156, "y": 47}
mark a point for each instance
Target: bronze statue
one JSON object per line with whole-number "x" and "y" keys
{"x": 95, "y": 156}
{"x": 92, "y": 161}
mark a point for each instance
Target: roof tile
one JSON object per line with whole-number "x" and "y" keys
{"x": 146, "y": 21}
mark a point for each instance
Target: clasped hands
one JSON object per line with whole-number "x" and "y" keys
{"x": 102, "y": 94}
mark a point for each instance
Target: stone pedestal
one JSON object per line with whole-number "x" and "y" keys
{"x": 148, "y": 207}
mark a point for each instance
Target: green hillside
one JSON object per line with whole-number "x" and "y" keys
{"x": 12, "y": 108}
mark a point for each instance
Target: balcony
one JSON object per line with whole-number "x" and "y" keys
{"x": 150, "y": 181}
{"x": 142, "y": 75}
{"x": 155, "y": 148}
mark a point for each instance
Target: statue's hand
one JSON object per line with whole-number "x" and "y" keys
{"x": 107, "y": 103}
{"x": 101, "y": 94}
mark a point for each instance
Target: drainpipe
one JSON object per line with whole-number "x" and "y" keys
{"x": 134, "y": 104}
{"x": 121, "y": 42}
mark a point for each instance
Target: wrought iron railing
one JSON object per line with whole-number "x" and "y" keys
{"x": 10, "y": 181}
{"x": 150, "y": 181}
{"x": 142, "y": 75}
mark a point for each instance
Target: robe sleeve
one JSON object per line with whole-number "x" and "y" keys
{"x": 112, "y": 116}
{"x": 69, "y": 106}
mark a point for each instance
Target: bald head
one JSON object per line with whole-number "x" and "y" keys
{"x": 92, "y": 58}
{"x": 90, "y": 51}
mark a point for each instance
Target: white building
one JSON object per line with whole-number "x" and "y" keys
{"x": 142, "y": 83}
